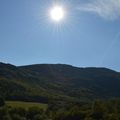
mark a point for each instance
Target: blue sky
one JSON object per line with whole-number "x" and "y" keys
{"x": 88, "y": 37}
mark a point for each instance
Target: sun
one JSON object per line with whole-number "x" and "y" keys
{"x": 57, "y": 13}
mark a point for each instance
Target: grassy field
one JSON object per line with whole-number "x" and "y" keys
{"x": 25, "y": 105}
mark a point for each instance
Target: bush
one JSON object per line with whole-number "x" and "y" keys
{"x": 3, "y": 112}
{"x": 7, "y": 117}
{"x": 20, "y": 111}
{"x": 17, "y": 117}
{"x": 33, "y": 111}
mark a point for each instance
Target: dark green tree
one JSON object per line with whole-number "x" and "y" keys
{"x": 2, "y": 102}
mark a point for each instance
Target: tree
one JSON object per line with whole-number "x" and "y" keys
{"x": 2, "y": 102}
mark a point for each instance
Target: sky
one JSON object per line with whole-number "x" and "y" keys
{"x": 89, "y": 36}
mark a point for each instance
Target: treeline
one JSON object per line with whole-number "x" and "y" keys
{"x": 33, "y": 113}
{"x": 97, "y": 110}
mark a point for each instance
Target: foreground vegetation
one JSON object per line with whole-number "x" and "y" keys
{"x": 59, "y": 110}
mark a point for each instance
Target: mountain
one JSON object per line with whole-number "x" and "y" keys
{"x": 44, "y": 82}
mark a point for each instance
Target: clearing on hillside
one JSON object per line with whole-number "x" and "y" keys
{"x": 26, "y": 105}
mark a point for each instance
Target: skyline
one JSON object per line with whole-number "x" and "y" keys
{"x": 87, "y": 37}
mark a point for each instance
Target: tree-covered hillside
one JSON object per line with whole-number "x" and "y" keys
{"x": 44, "y": 82}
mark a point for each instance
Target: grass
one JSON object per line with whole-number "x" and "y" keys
{"x": 26, "y": 105}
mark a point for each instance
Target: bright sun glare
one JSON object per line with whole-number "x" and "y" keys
{"x": 57, "y": 13}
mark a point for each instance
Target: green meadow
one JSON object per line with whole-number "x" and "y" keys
{"x": 26, "y": 105}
